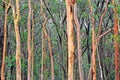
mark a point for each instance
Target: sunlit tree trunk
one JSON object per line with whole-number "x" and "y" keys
{"x": 5, "y": 41}
{"x": 93, "y": 60}
{"x": 16, "y": 16}
{"x": 70, "y": 32}
{"x": 29, "y": 42}
{"x": 81, "y": 74}
{"x": 117, "y": 51}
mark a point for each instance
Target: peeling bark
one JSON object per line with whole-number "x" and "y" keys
{"x": 70, "y": 32}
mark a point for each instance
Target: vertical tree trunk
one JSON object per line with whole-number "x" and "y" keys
{"x": 4, "y": 48}
{"x": 50, "y": 49}
{"x": 5, "y": 40}
{"x": 70, "y": 32}
{"x": 93, "y": 42}
{"x": 43, "y": 43}
{"x": 51, "y": 58}
{"x": 18, "y": 51}
{"x": 18, "y": 44}
{"x": 117, "y": 51}
{"x": 29, "y": 41}
{"x": 43, "y": 55}
{"x": 43, "y": 47}
{"x": 32, "y": 70}
{"x": 4, "y": 44}
{"x": 81, "y": 74}
{"x": 49, "y": 42}
{"x": 16, "y": 16}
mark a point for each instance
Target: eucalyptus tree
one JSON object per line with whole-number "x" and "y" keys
{"x": 70, "y": 32}
{"x": 16, "y": 17}
{"x": 116, "y": 44}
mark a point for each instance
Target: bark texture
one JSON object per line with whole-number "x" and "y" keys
{"x": 70, "y": 32}
{"x": 16, "y": 16}
{"x": 117, "y": 51}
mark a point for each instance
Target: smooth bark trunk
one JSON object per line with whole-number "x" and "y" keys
{"x": 4, "y": 47}
{"x": 16, "y": 16}
{"x": 93, "y": 59}
{"x": 81, "y": 74}
{"x": 29, "y": 42}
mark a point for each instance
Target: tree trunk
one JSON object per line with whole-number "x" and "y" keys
{"x": 43, "y": 56}
{"x": 93, "y": 61}
{"x": 117, "y": 51}
{"x": 49, "y": 42}
{"x": 29, "y": 41}
{"x": 70, "y": 32}
{"x": 5, "y": 41}
{"x": 18, "y": 51}
{"x": 4, "y": 46}
{"x": 51, "y": 54}
{"x": 50, "y": 49}
{"x": 81, "y": 74}
{"x": 43, "y": 43}
{"x": 32, "y": 70}
{"x": 16, "y": 16}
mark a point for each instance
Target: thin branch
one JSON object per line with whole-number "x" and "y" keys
{"x": 101, "y": 18}
{"x": 105, "y": 33}
{"x": 53, "y": 20}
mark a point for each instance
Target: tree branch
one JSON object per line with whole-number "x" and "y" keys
{"x": 53, "y": 21}
{"x": 105, "y": 33}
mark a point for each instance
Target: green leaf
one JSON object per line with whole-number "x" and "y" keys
{"x": 111, "y": 5}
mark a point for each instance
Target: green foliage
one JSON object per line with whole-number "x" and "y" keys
{"x": 116, "y": 1}
{"x": 23, "y": 64}
{"x": 84, "y": 14}
{"x": 46, "y": 74}
{"x": 107, "y": 60}
{"x": 57, "y": 8}
{"x": 118, "y": 9}
{"x": 36, "y": 71}
{"x": 24, "y": 36}
{"x": 1, "y": 9}
{"x": 111, "y": 5}
{"x": 24, "y": 6}
{"x": 112, "y": 75}
{"x": 117, "y": 38}
{"x": 10, "y": 60}
{"x": 23, "y": 20}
